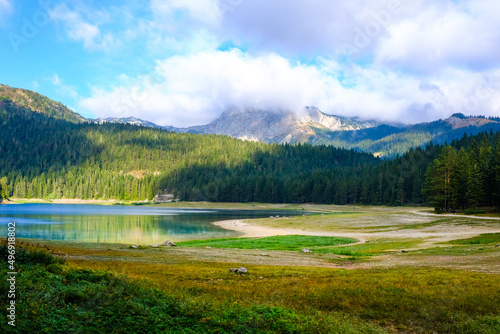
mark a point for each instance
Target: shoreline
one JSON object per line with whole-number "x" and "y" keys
{"x": 14, "y": 201}
{"x": 250, "y": 231}
{"x": 255, "y": 231}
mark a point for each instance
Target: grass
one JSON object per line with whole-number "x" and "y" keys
{"x": 269, "y": 299}
{"x": 285, "y": 292}
{"x": 284, "y": 242}
{"x": 416, "y": 300}
{"x": 483, "y": 239}
{"x": 53, "y": 298}
{"x": 371, "y": 247}
{"x": 424, "y": 225}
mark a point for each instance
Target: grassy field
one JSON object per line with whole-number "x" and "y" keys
{"x": 285, "y": 242}
{"x": 404, "y": 273}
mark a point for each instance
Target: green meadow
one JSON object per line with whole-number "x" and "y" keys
{"x": 390, "y": 270}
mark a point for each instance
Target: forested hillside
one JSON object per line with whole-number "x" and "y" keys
{"x": 45, "y": 157}
{"x": 466, "y": 176}
{"x": 26, "y": 101}
{"x": 390, "y": 141}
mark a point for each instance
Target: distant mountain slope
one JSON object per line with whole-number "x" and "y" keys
{"x": 281, "y": 126}
{"x": 314, "y": 127}
{"x": 29, "y": 101}
{"x": 45, "y": 157}
{"x": 126, "y": 120}
{"x": 278, "y": 126}
{"x": 388, "y": 141}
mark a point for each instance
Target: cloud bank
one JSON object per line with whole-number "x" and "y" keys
{"x": 388, "y": 60}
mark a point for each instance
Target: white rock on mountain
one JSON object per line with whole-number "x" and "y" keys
{"x": 277, "y": 125}
{"x": 458, "y": 121}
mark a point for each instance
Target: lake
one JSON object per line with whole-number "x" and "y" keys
{"x": 120, "y": 224}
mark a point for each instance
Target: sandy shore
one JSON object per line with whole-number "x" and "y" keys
{"x": 62, "y": 201}
{"x": 250, "y": 231}
{"x": 431, "y": 234}
{"x": 255, "y": 231}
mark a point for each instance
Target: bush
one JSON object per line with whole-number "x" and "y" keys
{"x": 474, "y": 211}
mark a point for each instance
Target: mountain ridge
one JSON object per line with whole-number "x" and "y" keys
{"x": 310, "y": 125}
{"x": 317, "y": 128}
{"x": 30, "y": 101}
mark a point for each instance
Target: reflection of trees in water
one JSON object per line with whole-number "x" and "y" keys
{"x": 123, "y": 229}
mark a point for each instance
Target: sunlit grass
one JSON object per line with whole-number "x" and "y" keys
{"x": 483, "y": 239}
{"x": 285, "y": 242}
{"x": 372, "y": 247}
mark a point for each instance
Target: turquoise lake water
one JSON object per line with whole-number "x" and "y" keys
{"x": 119, "y": 224}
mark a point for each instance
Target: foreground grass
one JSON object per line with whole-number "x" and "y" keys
{"x": 285, "y": 242}
{"x": 423, "y": 300}
{"x": 299, "y": 299}
{"x": 54, "y": 298}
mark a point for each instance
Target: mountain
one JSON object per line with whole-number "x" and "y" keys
{"x": 46, "y": 157}
{"x": 309, "y": 125}
{"x": 268, "y": 126}
{"x": 278, "y": 126}
{"x": 126, "y": 120}
{"x": 315, "y": 127}
{"x": 388, "y": 141}
{"x": 28, "y": 101}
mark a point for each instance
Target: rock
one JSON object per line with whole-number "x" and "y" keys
{"x": 135, "y": 246}
{"x": 282, "y": 126}
{"x": 239, "y": 271}
{"x": 208, "y": 247}
{"x": 155, "y": 245}
{"x": 306, "y": 250}
{"x": 264, "y": 254}
{"x": 169, "y": 243}
{"x": 403, "y": 251}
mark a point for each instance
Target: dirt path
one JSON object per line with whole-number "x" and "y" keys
{"x": 452, "y": 215}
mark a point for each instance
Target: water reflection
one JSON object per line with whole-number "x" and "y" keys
{"x": 138, "y": 225}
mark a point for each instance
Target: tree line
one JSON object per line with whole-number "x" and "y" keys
{"x": 465, "y": 176}
{"x": 43, "y": 157}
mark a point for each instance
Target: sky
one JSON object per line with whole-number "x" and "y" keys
{"x": 183, "y": 62}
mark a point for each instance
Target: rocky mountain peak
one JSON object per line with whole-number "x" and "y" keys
{"x": 458, "y": 121}
{"x": 281, "y": 126}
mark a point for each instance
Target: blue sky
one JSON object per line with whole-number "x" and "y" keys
{"x": 182, "y": 62}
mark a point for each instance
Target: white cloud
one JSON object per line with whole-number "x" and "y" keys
{"x": 62, "y": 88}
{"x": 79, "y": 30}
{"x": 56, "y": 81}
{"x": 422, "y": 35}
{"x": 195, "y": 89}
{"x": 442, "y": 34}
{"x": 297, "y": 27}
{"x": 421, "y": 60}
{"x": 204, "y": 11}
